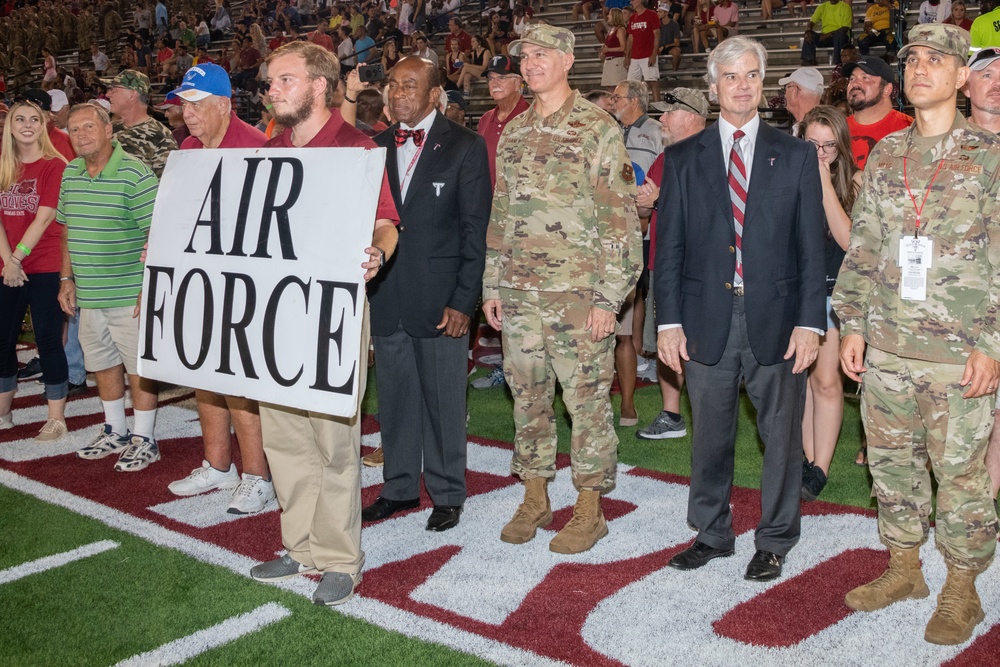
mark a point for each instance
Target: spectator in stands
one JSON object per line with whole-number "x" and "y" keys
{"x": 202, "y": 35}
{"x": 835, "y": 18}
{"x": 613, "y": 51}
{"x": 642, "y": 46}
{"x": 670, "y": 35}
{"x": 703, "y": 20}
{"x": 826, "y": 128}
{"x": 727, "y": 19}
{"x": 30, "y": 174}
{"x": 958, "y": 16}
{"x": 201, "y": 57}
{"x": 803, "y": 88}
{"x": 478, "y": 58}
{"x": 390, "y": 55}
{"x": 345, "y": 52}
{"x": 422, "y": 48}
{"x": 49, "y": 74}
{"x": 187, "y": 36}
{"x": 163, "y": 55}
{"x": 934, "y": 11}
{"x": 222, "y": 23}
{"x": 140, "y": 135}
{"x": 457, "y": 33}
{"x": 143, "y": 57}
{"x": 208, "y": 112}
{"x": 878, "y": 30}
{"x": 871, "y": 85}
{"x": 183, "y": 60}
{"x": 406, "y": 21}
{"x": 100, "y": 60}
{"x": 364, "y": 46}
{"x": 370, "y": 108}
{"x": 986, "y": 28}
{"x": 142, "y": 17}
{"x": 684, "y": 114}
{"x": 249, "y": 63}
{"x": 111, "y": 193}
{"x": 175, "y": 119}
{"x": 584, "y": 8}
{"x": 162, "y": 18}
{"x": 319, "y": 36}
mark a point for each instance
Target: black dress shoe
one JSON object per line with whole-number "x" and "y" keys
{"x": 77, "y": 389}
{"x": 383, "y": 508}
{"x": 697, "y": 555}
{"x": 764, "y": 566}
{"x": 444, "y": 517}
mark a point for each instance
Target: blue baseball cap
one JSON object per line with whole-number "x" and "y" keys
{"x": 201, "y": 81}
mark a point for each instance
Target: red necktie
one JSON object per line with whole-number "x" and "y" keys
{"x": 402, "y": 135}
{"x": 738, "y": 194}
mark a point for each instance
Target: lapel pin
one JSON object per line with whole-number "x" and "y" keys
{"x": 437, "y": 188}
{"x": 437, "y": 146}
{"x": 772, "y": 162}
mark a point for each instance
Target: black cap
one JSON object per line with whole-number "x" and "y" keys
{"x": 871, "y": 65}
{"x": 456, "y": 97}
{"x": 38, "y": 97}
{"x": 504, "y": 65}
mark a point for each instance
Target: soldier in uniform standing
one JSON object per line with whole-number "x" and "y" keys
{"x": 916, "y": 289}
{"x": 563, "y": 251}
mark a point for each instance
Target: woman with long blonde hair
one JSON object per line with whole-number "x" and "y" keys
{"x": 826, "y": 128}
{"x": 30, "y": 174}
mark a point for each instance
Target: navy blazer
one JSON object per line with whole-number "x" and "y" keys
{"x": 783, "y": 240}
{"x": 441, "y": 254}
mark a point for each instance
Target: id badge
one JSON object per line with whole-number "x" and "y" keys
{"x": 914, "y": 261}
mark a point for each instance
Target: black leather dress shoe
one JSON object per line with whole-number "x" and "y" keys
{"x": 764, "y": 566}
{"x": 697, "y": 555}
{"x": 383, "y": 508}
{"x": 444, "y": 517}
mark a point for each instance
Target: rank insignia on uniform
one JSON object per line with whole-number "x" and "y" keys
{"x": 628, "y": 174}
{"x": 970, "y": 147}
{"x": 576, "y": 123}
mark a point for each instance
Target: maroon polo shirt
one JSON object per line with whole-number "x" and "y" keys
{"x": 239, "y": 135}
{"x": 490, "y": 129}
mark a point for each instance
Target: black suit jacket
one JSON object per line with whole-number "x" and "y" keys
{"x": 784, "y": 231}
{"x": 442, "y": 232}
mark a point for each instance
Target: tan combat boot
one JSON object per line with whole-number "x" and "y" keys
{"x": 902, "y": 580}
{"x": 585, "y": 528}
{"x": 958, "y": 610}
{"x": 533, "y": 513}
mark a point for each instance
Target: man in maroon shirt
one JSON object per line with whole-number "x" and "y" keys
{"x": 455, "y": 31}
{"x": 208, "y": 114}
{"x": 502, "y": 75}
{"x": 641, "y": 47}
{"x": 315, "y": 458}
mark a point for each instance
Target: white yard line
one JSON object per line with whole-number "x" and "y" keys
{"x": 55, "y": 560}
{"x": 231, "y": 629}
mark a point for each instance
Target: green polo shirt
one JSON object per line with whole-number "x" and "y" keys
{"x": 107, "y": 219}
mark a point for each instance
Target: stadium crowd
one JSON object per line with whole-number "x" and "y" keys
{"x": 862, "y": 243}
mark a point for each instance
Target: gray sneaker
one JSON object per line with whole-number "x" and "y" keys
{"x": 494, "y": 379}
{"x": 335, "y": 588}
{"x": 279, "y": 569}
{"x": 662, "y": 428}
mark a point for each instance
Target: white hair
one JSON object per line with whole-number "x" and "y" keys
{"x": 733, "y": 49}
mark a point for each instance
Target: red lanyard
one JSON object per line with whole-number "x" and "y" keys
{"x": 920, "y": 209}
{"x": 413, "y": 162}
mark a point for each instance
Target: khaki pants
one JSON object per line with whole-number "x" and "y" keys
{"x": 315, "y": 462}
{"x": 914, "y": 413}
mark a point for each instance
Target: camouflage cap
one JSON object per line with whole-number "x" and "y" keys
{"x": 946, "y": 38}
{"x": 132, "y": 80}
{"x": 684, "y": 99}
{"x": 546, "y": 36}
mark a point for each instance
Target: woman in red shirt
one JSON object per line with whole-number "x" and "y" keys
{"x": 30, "y": 175}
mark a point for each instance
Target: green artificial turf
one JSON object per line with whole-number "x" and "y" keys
{"x": 133, "y": 599}
{"x": 492, "y": 410}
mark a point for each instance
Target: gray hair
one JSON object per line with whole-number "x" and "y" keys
{"x": 98, "y": 110}
{"x": 733, "y": 49}
{"x": 638, "y": 91}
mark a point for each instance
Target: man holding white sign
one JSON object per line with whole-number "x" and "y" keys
{"x": 316, "y": 458}
{"x": 208, "y": 113}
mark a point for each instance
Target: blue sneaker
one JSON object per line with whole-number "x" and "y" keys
{"x": 494, "y": 379}
{"x": 105, "y": 444}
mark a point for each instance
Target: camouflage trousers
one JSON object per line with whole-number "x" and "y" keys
{"x": 543, "y": 340}
{"x": 913, "y": 412}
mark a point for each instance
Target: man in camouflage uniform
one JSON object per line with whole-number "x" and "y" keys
{"x": 563, "y": 251}
{"x": 139, "y": 134}
{"x": 928, "y": 202}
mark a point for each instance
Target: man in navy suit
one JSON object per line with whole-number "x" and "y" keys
{"x": 740, "y": 296}
{"x": 423, "y": 302}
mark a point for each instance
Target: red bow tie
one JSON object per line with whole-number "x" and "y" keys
{"x": 402, "y": 135}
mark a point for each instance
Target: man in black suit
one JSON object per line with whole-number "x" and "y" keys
{"x": 740, "y": 296}
{"x": 423, "y": 303}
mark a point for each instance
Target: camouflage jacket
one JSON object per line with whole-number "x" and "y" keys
{"x": 150, "y": 141}
{"x": 961, "y": 218}
{"x": 564, "y": 216}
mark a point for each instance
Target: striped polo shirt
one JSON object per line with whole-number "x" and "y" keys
{"x": 107, "y": 219}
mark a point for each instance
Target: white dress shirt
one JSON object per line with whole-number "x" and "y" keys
{"x": 405, "y": 154}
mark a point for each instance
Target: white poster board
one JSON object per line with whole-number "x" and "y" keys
{"x": 253, "y": 283}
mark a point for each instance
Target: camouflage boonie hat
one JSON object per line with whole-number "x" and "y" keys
{"x": 131, "y": 80}
{"x": 949, "y": 39}
{"x": 687, "y": 99}
{"x": 546, "y": 36}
